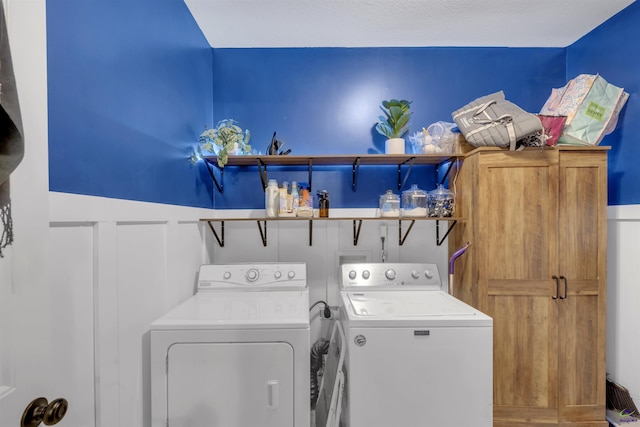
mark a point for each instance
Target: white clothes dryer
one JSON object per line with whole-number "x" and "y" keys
{"x": 237, "y": 352}
{"x": 416, "y": 356}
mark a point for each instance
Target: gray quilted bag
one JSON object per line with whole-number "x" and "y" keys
{"x": 492, "y": 121}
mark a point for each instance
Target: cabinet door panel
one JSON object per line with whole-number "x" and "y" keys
{"x": 582, "y": 261}
{"x": 516, "y": 237}
{"x": 517, "y": 231}
{"x": 525, "y": 363}
{"x": 580, "y": 220}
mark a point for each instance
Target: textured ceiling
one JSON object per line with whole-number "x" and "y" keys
{"x": 396, "y": 23}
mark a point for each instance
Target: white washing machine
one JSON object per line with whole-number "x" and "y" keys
{"x": 416, "y": 356}
{"x": 236, "y": 354}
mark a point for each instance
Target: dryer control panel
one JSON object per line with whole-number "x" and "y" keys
{"x": 252, "y": 277}
{"x": 421, "y": 276}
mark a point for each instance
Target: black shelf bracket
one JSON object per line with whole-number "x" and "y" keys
{"x": 356, "y": 231}
{"x": 219, "y": 239}
{"x": 263, "y": 231}
{"x": 450, "y": 162}
{"x": 402, "y": 238}
{"x": 310, "y": 232}
{"x": 355, "y": 169}
{"x": 439, "y": 241}
{"x": 402, "y": 181}
{"x": 210, "y": 166}
{"x": 264, "y": 176}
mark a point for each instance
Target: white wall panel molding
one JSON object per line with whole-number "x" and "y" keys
{"x": 105, "y": 323}
{"x": 623, "y": 212}
{"x": 623, "y": 297}
{"x": 65, "y": 207}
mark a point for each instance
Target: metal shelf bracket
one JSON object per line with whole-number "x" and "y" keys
{"x": 439, "y": 241}
{"x": 219, "y": 239}
{"x": 356, "y": 231}
{"x": 403, "y": 181}
{"x": 264, "y": 176}
{"x": 263, "y": 231}
{"x": 210, "y": 166}
{"x": 355, "y": 169}
{"x": 402, "y": 238}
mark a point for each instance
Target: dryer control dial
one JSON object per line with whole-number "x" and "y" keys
{"x": 428, "y": 274}
{"x": 415, "y": 274}
{"x": 252, "y": 275}
{"x": 390, "y": 274}
{"x": 291, "y": 274}
{"x": 277, "y": 274}
{"x": 352, "y": 274}
{"x": 366, "y": 274}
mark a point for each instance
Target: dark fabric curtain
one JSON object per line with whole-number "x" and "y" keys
{"x": 11, "y": 136}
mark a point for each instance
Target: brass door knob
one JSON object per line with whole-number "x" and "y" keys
{"x": 40, "y": 411}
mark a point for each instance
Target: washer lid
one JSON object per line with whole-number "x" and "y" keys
{"x": 239, "y": 310}
{"x": 410, "y": 308}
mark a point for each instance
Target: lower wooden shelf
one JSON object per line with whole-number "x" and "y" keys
{"x": 357, "y": 225}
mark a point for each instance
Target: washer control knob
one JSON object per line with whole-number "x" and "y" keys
{"x": 428, "y": 274}
{"x": 226, "y": 275}
{"x": 352, "y": 274}
{"x": 390, "y": 274}
{"x": 277, "y": 274}
{"x": 366, "y": 274}
{"x": 252, "y": 275}
{"x": 415, "y": 274}
{"x": 291, "y": 274}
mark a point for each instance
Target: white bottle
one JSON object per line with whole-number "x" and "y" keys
{"x": 295, "y": 197}
{"x": 283, "y": 193}
{"x": 271, "y": 199}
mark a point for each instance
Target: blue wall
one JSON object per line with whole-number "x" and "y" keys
{"x": 132, "y": 83}
{"x": 612, "y": 50}
{"x": 130, "y": 88}
{"x": 326, "y": 101}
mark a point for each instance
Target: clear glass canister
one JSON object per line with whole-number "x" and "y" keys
{"x": 390, "y": 204}
{"x": 441, "y": 202}
{"x": 414, "y": 202}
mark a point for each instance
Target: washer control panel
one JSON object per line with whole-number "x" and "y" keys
{"x": 252, "y": 276}
{"x": 383, "y": 275}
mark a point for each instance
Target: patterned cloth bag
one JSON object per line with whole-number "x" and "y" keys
{"x": 591, "y": 105}
{"x": 492, "y": 121}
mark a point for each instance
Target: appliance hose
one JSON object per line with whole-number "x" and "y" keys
{"x": 319, "y": 348}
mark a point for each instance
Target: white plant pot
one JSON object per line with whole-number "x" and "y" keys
{"x": 394, "y": 146}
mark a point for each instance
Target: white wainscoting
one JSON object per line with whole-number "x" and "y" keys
{"x": 118, "y": 265}
{"x": 623, "y": 298}
{"x": 115, "y": 267}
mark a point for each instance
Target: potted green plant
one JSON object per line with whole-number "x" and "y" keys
{"x": 225, "y": 139}
{"x": 394, "y": 124}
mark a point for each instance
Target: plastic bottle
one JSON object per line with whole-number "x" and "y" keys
{"x": 271, "y": 199}
{"x": 295, "y": 198}
{"x": 323, "y": 203}
{"x": 282, "y": 205}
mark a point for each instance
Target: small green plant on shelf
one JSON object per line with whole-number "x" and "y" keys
{"x": 395, "y": 122}
{"x": 226, "y": 138}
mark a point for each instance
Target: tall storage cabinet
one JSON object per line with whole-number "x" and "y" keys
{"x": 536, "y": 220}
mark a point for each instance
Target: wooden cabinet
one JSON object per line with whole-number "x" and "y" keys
{"x": 537, "y": 223}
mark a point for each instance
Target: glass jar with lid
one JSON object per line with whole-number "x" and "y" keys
{"x": 414, "y": 202}
{"x": 389, "y": 204}
{"x": 441, "y": 202}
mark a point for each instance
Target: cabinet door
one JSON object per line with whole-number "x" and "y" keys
{"x": 582, "y": 243}
{"x": 516, "y": 229}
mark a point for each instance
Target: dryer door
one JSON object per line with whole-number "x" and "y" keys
{"x": 230, "y": 384}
